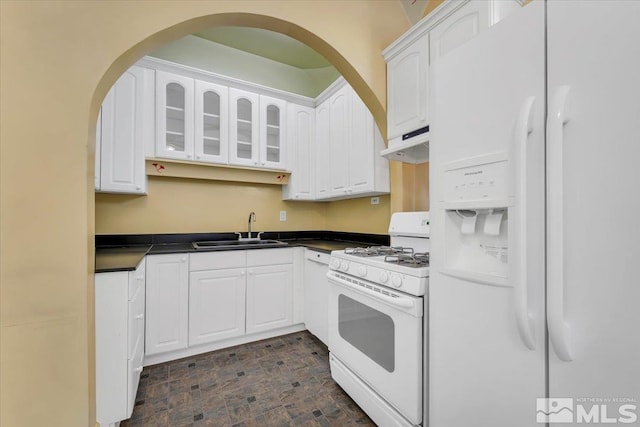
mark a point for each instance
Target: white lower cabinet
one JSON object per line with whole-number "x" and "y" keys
{"x": 204, "y": 301}
{"x": 119, "y": 316}
{"x": 167, "y": 303}
{"x": 217, "y": 295}
{"x": 216, "y": 305}
{"x": 316, "y": 294}
{"x": 269, "y": 297}
{"x": 269, "y": 289}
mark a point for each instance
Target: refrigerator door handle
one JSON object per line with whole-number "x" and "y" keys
{"x": 519, "y": 266}
{"x": 559, "y": 115}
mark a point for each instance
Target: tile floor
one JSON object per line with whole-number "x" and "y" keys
{"x": 283, "y": 381}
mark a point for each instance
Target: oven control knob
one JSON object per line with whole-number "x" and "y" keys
{"x": 344, "y": 266}
{"x": 396, "y": 281}
{"x": 383, "y": 277}
{"x": 362, "y": 271}
{"x": 335, "y": 263}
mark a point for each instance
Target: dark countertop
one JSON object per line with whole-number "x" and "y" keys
{"x": 124, "y": 254}
{"x": 120, "y": 258}
{"x": 326, "y": 246}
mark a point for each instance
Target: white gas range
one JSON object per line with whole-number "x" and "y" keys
{"x": 376, "y": 322}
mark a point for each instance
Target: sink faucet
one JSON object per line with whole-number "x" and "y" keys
{"x": 252, "y": 218}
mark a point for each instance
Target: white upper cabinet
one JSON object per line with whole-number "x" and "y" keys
{"x": 121, "y": 134}
{"x": 301, "y": 149}
{"x": 273, "y": 128}
{"x": 340, "y": 119}
{"x": 348, "y": 143}
{"x": 361, "y": 151}
{"x": 244, "y": 124}
{"x": 322, "y": 150}
{"x": 174, "y": 116}
{"x": 98, "y": 158}
{"x": 211, "y": 122}
{"x": 467, "y": 22}
{"x": 407, "y": 89}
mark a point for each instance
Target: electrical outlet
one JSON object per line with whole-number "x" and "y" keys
{"x": 283, "y": 215}
{"x": 375, "y": 200}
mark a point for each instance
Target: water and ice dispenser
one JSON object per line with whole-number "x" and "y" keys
{"x": 477, "y": 202}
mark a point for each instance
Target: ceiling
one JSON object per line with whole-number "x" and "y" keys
{"x": 267, "y": 44}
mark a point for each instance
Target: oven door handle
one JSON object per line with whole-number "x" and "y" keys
{"x": 397, "y": 301}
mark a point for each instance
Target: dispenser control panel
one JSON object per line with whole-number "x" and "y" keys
{"x": 477, "y": 178}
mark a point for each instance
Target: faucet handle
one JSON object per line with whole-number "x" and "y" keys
{"x": 259, "y": 234}
{"x": 239, "y": 235}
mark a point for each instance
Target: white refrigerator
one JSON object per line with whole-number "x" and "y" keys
{"x": 534, "y": 294}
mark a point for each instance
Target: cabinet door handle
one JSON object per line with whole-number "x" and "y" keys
{"x": 138, "y": 369}
{"x": 140, "y": 316}
{"x": 140, "y": 278}
{"x": 137, "y": 187}
{"x": 183, "y": 259}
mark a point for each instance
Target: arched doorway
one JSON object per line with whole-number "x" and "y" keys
{"x": 59, "y": 60}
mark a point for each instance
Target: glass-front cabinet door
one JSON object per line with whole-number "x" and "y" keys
{"x": 174, "y": 116}
{"x": 212, "y": 122}
{"x": 272, "y": 132}
{"x": 244, "y": 128}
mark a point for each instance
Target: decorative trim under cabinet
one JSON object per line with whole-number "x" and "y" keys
{"x": 195, "y": 170}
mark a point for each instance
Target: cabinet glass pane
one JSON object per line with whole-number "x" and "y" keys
{"x": 211, "y": 103}
{"x": 211, "y": 123}
{"x": 245, "y": 135}
{"x": 175, "y": 117}
{"x": 244, "y": 109}
{"x": 273, "y": 134}
{"x": 273, "y": 115}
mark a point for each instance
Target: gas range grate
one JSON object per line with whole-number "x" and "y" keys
{"x": 409, "y": 259}
{"x": 378, "y": 251}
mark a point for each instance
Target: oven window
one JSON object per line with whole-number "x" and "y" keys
{"x": 368, "y": 330}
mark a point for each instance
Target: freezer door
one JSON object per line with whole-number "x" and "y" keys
{"x": 486, "y": 313}
{"x": 593, "y": 150}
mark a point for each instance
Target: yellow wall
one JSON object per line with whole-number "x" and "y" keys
{"x": 57, "y": 61}
{"x": 178, "y": 205}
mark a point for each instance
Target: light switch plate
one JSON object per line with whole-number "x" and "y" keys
{"x": 283, "y": 215}
{"x": 375, "y": 200}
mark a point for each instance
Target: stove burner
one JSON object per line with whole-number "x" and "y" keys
{"x": 410, "y": 260}
{"x": 378, "y": 251}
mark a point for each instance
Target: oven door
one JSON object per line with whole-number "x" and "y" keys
{"x": 376, "y": 333}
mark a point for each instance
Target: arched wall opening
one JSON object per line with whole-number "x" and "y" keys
{"x": 66, "y": 56}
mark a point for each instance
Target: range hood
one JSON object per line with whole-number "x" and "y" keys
{"x": 412, "y": 147}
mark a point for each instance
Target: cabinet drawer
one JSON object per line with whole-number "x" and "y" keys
{"x": 216, "y": 260}
{"x": 319, "y": 257}
{"x": 260, "y": 257}
{"x": 137, "y": 278}
{"x": 134, "y": 369}
{"x": 135, "y": 323}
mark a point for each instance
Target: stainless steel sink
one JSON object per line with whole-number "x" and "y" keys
{"x": 221, "y": 244}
